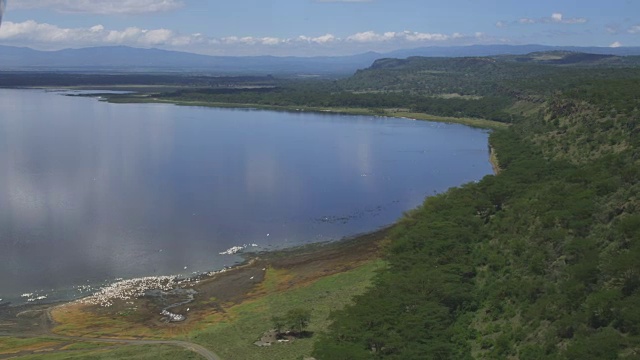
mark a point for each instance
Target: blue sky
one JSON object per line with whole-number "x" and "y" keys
{"x": 316, "y": 27}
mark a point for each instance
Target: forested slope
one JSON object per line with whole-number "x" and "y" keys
{"x": 539, "y": 262}
{"x": 491, "y": 88}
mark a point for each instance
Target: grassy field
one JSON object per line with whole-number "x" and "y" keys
{"x": 74, "y": 320}
{"x": 232, "y": 332}
{"x": 146, "y": 352}
{"x": 231, "y": 335}
{"x": 10, "y": 345}
{"x": 479, "y": 123}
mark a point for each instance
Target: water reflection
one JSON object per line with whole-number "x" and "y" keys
{"x": 92, "y": 191}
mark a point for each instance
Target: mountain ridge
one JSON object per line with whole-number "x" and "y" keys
{"x": 131, "y": 59}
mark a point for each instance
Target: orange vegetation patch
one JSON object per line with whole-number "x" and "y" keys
{"x": 82, "y": 320}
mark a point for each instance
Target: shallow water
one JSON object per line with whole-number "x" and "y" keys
{"x": 91, "y": 191}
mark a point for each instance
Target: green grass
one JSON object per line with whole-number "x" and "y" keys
{"x": 479, "y": 123}
{"x": 134, "y": 99}
{"x": 10, "y": 345}
{"x": 146, "y": 352}
{"x": 245, "y": 324}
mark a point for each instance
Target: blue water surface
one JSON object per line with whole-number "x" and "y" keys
{"x": 92, "y": 191}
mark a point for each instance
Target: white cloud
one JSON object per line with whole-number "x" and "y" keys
{"x": 404, "y": 36}
{"x": 51, "y": 37}
{"x": 370, "y": 36}
{"x": 417, "y": 36}
{"x": 324, "y": 39}
{"x": 101, "y": 6}
{"x": 634, "y": 29}
{"x": 271, "y": 41}
{"x": 43, "y": 33}
{"x": 248, "y": 40}
{"x": 616, "y": 44}
{"x": 555, "y": 18}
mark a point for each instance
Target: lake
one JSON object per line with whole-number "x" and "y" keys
{"x": 92, "y": 191}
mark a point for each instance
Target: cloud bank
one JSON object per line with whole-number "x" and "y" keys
{"x": 48, "y": 36}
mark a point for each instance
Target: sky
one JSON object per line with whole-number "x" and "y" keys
{"x": 316, "y": 27}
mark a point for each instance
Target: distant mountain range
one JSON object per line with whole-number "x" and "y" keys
{"x": 121, "y": 59}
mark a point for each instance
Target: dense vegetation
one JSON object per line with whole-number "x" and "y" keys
{"x": 488, "y": 88}
{"x": 539, "y": 262}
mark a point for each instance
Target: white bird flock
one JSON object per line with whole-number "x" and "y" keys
{"x": 31, "y": 297}
{"x": 173, "y": 317}
{"x": 136, "y": 288}
{"x": 237, "y": 249}
{"x": 132, "y": 289}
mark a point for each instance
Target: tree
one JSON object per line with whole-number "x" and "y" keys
{"x": 279, "y": 323}
{"x": 298, "y": 319}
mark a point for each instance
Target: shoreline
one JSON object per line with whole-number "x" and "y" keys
{"x": 248, "y": 256}
{"x": 253, "y": 262}
{"x": 493, "y": 159}
{"x": 472, "y": 122}
{"x": 137, "y": 97}
{"x": 146, "y": 98}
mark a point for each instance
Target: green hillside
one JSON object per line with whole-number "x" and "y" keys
{"x": 491, "y": 88}
{"x": 539, "y": 262}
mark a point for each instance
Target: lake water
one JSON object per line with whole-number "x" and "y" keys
{"x": 91, "y": 191}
